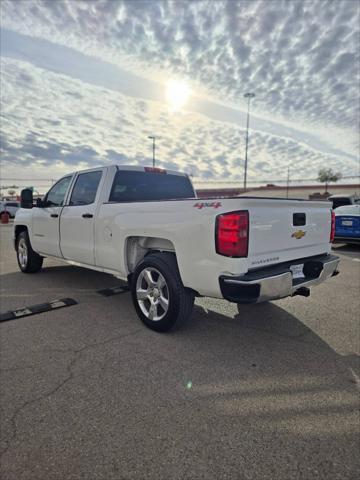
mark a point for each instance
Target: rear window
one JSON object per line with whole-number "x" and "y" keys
{"x": 135, "y": 186}
{"x": 338, "y": 202}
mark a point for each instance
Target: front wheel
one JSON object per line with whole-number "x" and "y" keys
{"x": 28, "y": 260}
{"x": 160, "y": 299}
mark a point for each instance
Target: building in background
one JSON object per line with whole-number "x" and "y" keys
{"x": 312, "y": 192}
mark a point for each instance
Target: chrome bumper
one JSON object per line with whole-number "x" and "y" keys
{"x": 273, "y": 286}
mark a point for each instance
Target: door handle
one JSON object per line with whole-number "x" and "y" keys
{"x": 54, "y": 215}
{"x": 87, "y": 215}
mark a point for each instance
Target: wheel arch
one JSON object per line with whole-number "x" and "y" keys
{"x": 19, "y": 229}
{"x": 137, "y": 248}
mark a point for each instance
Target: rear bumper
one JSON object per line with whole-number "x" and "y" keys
{"x": 273, "y": 283}
{"x": 347, "y": 239}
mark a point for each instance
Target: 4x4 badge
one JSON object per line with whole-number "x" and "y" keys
{"x": 298, "y": 234}
{"x": 201, "y": 205}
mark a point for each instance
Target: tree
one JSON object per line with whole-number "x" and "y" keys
{"x": 326, "y": 175}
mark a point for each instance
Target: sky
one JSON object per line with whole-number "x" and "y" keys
{"x": 84, "y": 83}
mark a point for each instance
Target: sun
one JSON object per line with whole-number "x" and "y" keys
{"x": 177, "y": 94}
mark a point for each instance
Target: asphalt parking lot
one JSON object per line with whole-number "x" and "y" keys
{"x": 87, "y": 392}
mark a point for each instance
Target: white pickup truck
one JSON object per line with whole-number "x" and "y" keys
{"x": 146, "y": 226}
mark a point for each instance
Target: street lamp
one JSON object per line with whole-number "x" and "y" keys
{"x": 249, "y": 96}
{"x": 153, "y": 139}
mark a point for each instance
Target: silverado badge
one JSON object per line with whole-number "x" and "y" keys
{"x": 298, "y": 234}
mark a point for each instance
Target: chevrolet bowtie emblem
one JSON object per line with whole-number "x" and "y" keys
{"x": 298, "y": 234}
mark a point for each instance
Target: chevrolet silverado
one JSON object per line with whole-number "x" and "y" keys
{"x": 146, "y": 226}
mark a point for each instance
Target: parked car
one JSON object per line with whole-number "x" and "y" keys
{"x": 145, "y": 225}
{"x": 347, "y": 224}
{"x": 10, "y": 207}
{"x": 341, "y": 200}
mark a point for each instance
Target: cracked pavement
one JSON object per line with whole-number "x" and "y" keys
{"x": 87, "y": 392}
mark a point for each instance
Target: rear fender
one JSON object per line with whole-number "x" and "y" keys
{"x": 138, "y": 247}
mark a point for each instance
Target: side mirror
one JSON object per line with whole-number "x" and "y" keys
{"x": 26, "y": 198}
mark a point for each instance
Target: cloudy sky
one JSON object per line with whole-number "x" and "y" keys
{"x": 84, "y": 83}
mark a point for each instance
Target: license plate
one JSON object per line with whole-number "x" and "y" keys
{"x": 297, "y": 270}
{"x": 347, "y": 223}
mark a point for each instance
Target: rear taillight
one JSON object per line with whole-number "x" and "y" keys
{"x": 232, "y": 234}
{"x": 332, "y": 231}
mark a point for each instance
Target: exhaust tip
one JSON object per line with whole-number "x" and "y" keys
{"x": 303, "y": 291}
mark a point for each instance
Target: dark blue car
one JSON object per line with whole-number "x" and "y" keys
{"x": 347, "y": 224}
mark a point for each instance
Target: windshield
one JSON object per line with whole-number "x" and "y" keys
{"x": 338, "y": 202}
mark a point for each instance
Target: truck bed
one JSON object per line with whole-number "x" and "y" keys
{"x": 188, "y": 226}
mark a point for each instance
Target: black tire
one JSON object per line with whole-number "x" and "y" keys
{"x": 180, "y": 299}
{"x": 31, "y": 262}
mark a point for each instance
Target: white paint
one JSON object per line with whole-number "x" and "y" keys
{"x": 57, "y": 304}
{"x": 21, "y": 313}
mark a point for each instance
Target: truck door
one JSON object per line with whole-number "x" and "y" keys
{"x": 78, "y": 216}
{"x": 45, "y": 226}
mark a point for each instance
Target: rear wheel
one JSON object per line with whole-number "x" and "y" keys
{"x": 28, "y": 260}
{"x": 160, "y": 299}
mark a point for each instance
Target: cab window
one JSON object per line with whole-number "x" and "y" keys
{"x": 137, "y": 186}
{"x": 56, "y": 195}
{"x": 86, "y": 186}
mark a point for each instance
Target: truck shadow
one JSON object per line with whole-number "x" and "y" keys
{"x": 62, "y": 279}
{"x": 350, "y": 250}
{"x": 268, "y": 322}
{"x": 261, "y": 380}
{"x": 264, "y": 317}
{"x": 58, "y": 281}
{"x": 277, "y": 373}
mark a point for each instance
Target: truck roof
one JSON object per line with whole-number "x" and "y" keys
{"x": 134, "y": 168}
{"x": 149, "y": 169}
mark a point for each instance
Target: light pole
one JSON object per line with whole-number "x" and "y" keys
{"x": 153, "y": 139}
{"x": 249, "y": 96}
{"x": 288, "y": 183}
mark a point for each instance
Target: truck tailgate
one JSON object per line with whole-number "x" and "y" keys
{"x": 284, "y": 230}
